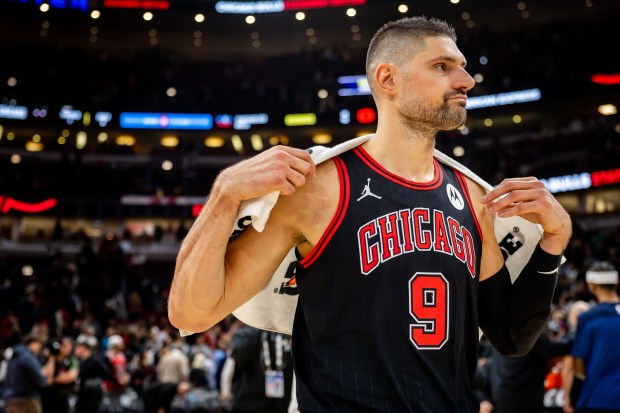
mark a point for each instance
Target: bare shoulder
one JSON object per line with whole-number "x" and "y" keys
{"x": 310, "y": 209}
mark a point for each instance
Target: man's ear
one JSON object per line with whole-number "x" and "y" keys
{"x": 385, "y": 74}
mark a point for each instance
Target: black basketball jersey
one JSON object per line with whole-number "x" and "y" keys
{"x": 387, "y": 318}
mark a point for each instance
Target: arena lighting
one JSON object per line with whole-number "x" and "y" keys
{"x": 13, "y": 112}
{"x": 608, "y": 177}
{"x": 583, "y": 180}
{"x": 125, "y": 140}
{"x": 606, "y": 79}
{"x": 354, "y": 85}
{"x": 169, "y": 141}
{"x": 59, "y": 4}
{"x": 277, "y": 6}
{"x": 501, "y": 99}
{"x": 137, "y": 4}
{"x": 103, "y": 118}
{"x": 69, "y": 114}
{"x": 144, "y": 200}
{"x": 322, "y": 138}
{"x": 214, "y": 142}
{"x": 237, "y": 143}
{"x": 257, "y": 142}
{"x": 137, "y": 120}
{"x": 607, "y": 109}
{"x": 196, "y": 209}
{"x": 568, "y": 182}
{"x": 300, "y": 119}
{"x": 7, "y": 204}
{"x": 32, "y": 146}
{"x": 244, "y": 122}
{"x": 224, "y": 121}
{"x": 366, "y": 115}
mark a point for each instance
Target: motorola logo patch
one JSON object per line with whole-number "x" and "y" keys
{"x": 455, "y": 197}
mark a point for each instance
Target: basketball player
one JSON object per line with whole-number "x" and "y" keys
{"x": 398, "y": 263}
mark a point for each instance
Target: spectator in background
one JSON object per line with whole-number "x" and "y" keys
{"x": 172, "y": 377}
{"x": 263, "y": 372}
{"x": 119, "y": 380}
{"x": 173, "y": 365}
{"x": 575, "y": 309}
{"x": 516, "y": 384}
{"x": 93, "y": 371}
{"x": 25, "y": 377}
{"x": 56, "y": 396}
{"x": 596, "y": 354}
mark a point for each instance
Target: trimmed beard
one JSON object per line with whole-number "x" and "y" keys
{"x": 447, "y": 116}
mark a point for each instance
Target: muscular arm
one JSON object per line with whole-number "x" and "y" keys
{"x": 512, "y": 316}
{"x": 214, "y": 277}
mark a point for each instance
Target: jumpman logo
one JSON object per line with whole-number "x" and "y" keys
{"x": 366, "y": 192}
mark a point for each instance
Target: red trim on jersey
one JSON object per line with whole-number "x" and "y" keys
{"x": 424, "y": 186}
{"x": 463, "y": 184}
{"x": 343, "y": 177}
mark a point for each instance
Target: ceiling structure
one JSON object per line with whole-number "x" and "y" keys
{"x": 122, "y": 31}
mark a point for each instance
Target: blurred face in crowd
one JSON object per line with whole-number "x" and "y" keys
{"x": 432, "y": 85}
{"x": 35, "y": 347}
{"x": 66, "y": 347}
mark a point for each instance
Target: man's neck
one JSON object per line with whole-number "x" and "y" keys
{"x": 406, "y": 152}
{"x": 607, "y": 297}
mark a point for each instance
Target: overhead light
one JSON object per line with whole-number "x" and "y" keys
{"x": 44, "y": 7}
{"x": 250, "y": 19}
{"x": 148, "y": 16}
{"x": 517, "y": 118}
{"x": 488, "y": 122}
{"x": 351, "y": 12}
{"x": 125, "y": 140}
{"x": 403, "y": 8}
{"x": 27, "y": 270}
{"x": 458, "y": 151}
{"x": 257, "y": 142}
{"x": 169, "y": 141}
{"x": 237, "y": 143}
{"x": 16, "y": 159}
{"x": 80, "y": 141}
{"x": 36, "y": 138}
{"x": 322, "y": 138}
{"x": 167, "y": 165}
{"x": 214, "y": 142}
{"x": 34, "y": 146}
{"x": 199, "y": 18}
{"x": 102, "y": 137}
{"x": 607, "y": 109}
{"x": 300, "y": 15}
{"x": 95, "y": 14}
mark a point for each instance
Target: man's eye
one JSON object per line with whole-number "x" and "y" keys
{"x": 441, "y": 66}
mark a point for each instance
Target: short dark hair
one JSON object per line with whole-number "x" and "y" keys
{"x": 31, "y": 338}
{"x": 601, "y": 266}
{"x": 394, "y": 37}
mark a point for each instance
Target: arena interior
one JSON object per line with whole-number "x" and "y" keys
{"x": 117, "y": 115}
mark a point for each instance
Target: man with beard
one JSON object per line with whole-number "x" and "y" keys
{"x": 398, "y": 264}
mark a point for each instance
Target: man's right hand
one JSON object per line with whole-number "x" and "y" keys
{"x": 280, "y": 168}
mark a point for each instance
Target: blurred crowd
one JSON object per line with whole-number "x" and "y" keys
{"x": 100, "y": 303}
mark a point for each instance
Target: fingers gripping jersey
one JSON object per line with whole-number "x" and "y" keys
{"x": 386, "y": 320}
